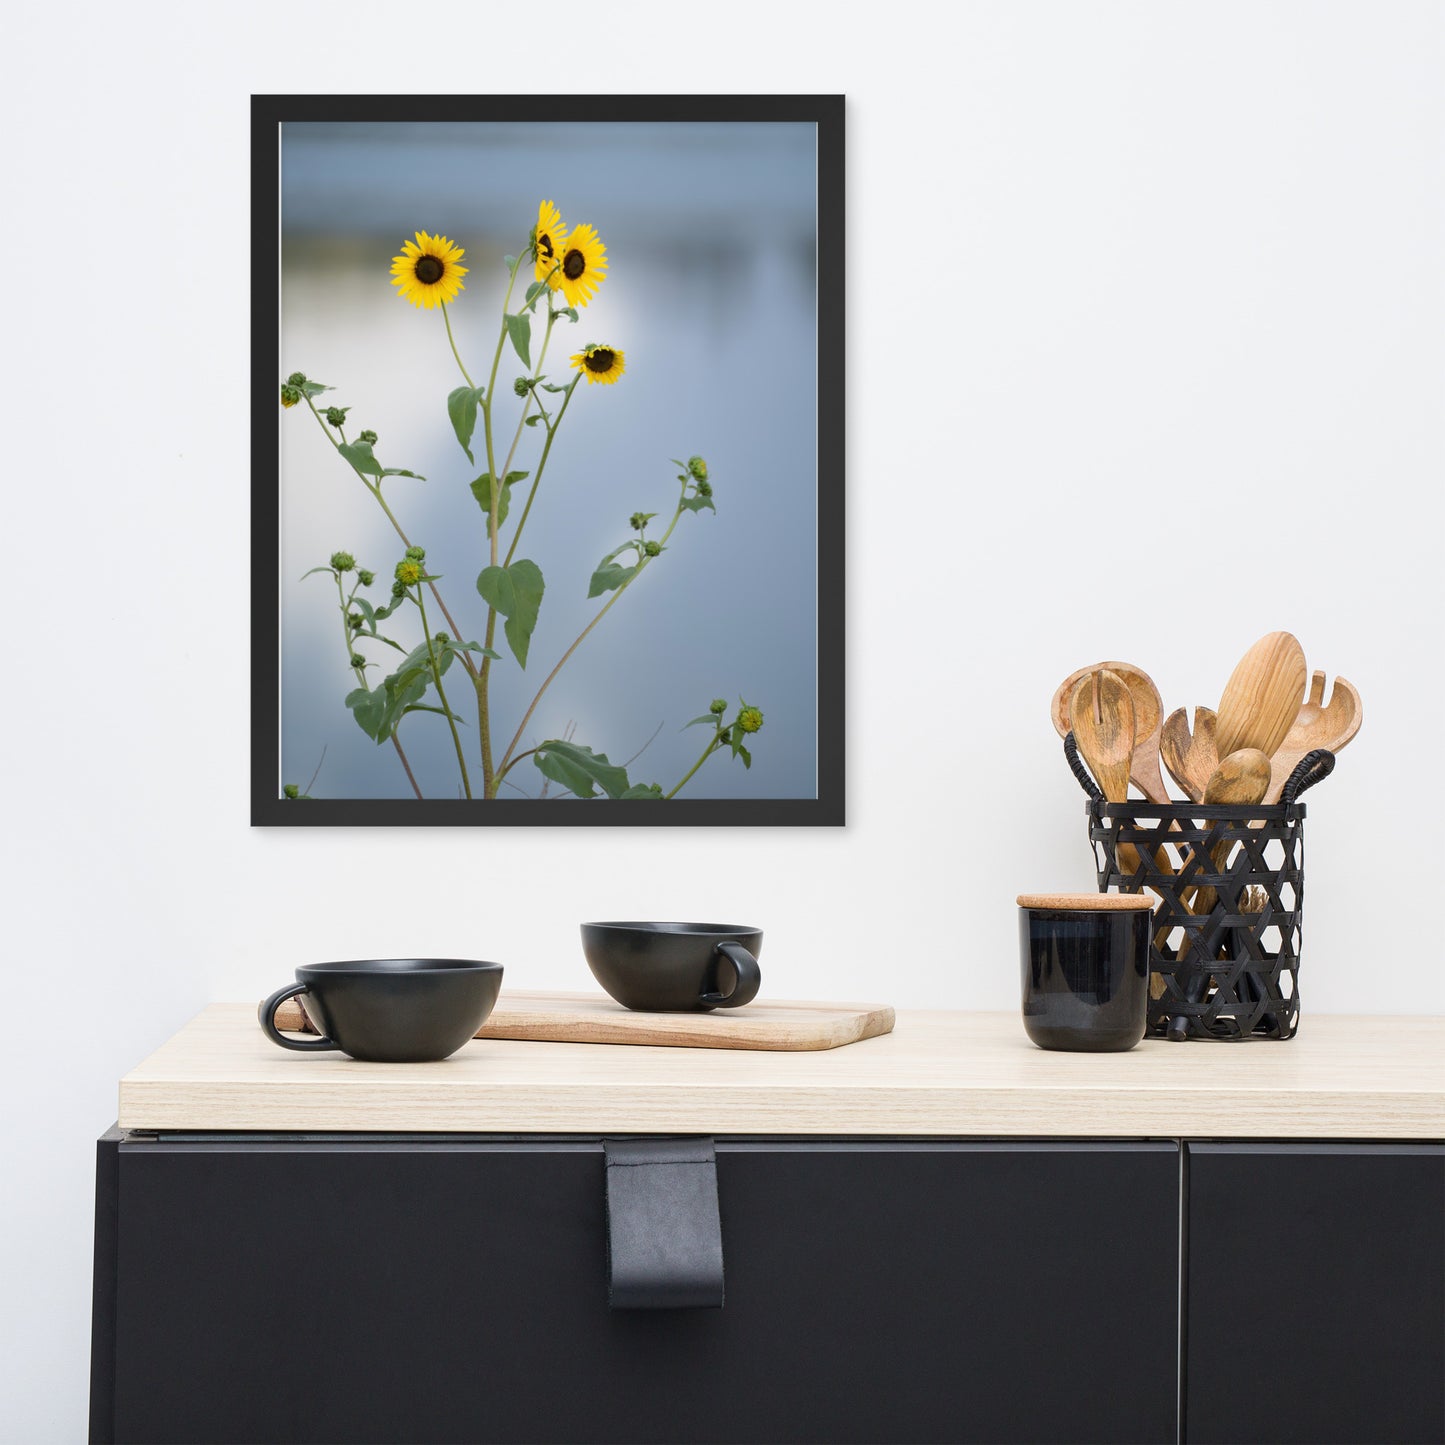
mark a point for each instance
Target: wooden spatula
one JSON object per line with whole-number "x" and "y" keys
{"x": 1262, "y": 697}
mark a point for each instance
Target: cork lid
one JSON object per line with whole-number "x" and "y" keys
{"x": 1087, "y": 902}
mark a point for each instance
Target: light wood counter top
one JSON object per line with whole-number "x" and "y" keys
{"x": 937, "y": 1073}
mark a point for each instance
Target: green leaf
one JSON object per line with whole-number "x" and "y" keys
{"x": 578, "y": 768}
{"x": 516, "y": 592}
{"x": 440, "y": 711}
{"x": 644, "y": 790}
{"x": 482, "y": 491}
{"x": 315, "y": 388}
{"x": 696, "y": 504}
{"x": 570, "y": 312}
{"x": 368, "y": 707}
{"x": 402, "y": 472}
{"x": 462, "y": 408}
{"x": 534, "y": 292}
{"x": 609, "y": 576}
{"x": 305, "y": 575}
{"x": 547, "y": 386}
{"x": 534, "y": 418}
{"x": 745, "y": 755}
{"x": 519, "y": 328}
{"x": 359, "y": 455}
{"x": 707, "y": 717}
{"x": 509, "y": 261}
{"x": 459, "y": 647}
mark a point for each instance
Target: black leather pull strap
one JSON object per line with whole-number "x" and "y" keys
{"x": 664, "y": 1237}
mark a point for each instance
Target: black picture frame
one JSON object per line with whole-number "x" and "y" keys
{"x": 268, "y": 806}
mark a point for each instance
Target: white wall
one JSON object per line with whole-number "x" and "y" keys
{"x": 1176, "y": 383}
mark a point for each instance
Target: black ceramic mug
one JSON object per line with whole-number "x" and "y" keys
{"x": 389, "y": 1010}
{"x": 675, "y": 967}
{"x": 1085, "y": 962}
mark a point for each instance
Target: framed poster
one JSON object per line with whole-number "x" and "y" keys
{"x": 547, "y": 460}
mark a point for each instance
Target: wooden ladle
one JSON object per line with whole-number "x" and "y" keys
{"x": 1262, "y": 697}
{"x": 1148, "y": 720}
{"x": 1190, "y": 757}
{"x": 1317, "y": 724}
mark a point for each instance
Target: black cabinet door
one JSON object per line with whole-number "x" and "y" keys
{"x": 1316, "y": 1294}
{"x": 423, "y": 1290}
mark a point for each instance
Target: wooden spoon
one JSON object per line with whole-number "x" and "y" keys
{"x": 1148, "y": 719}
{"x": 1190, "y": 758}
{"x": 1317, "y": 725}
{"x": 1262, "y": 697}
{"x": 1241, "y": 780}
{"x": 1101, "y": 714}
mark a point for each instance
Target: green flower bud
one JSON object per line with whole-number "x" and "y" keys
{"x": 408, "y": 573}
{"x": 297, "y": 378}
{"x": 442, "y": 638}
{"x": 522, "y": 385}
{"x": 704, "y": 489}
{"x": 355, "y": 621}
{"x": 398, "y": 590}
{"x": 364, "y": 577}
{"x": 718, "y": 706}
{"x": 750, "y": 719}
{"x": 369, "y": 437}
{"x": 698, "y": 468}
{"x": 416, "y": 554}
{"x": 357, "y": 660}
{"x": 343, "y": 561}
{"x": 290, "y": 790}
{"x": 652, "y": 548}
{"x": 637, "y": 521}
{"x": 336, "y": 415}
{"x": 290, "y": 395}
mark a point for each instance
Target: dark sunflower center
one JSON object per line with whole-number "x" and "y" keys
{"x": 429, "y": 270}
{"x": 544, "y": 248}
{"x": 601, "y": 359}
{"x": 574, "y": 263}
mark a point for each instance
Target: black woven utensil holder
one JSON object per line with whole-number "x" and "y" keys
{"x": 1228, "y": 974}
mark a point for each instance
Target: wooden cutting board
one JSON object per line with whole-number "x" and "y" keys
{"x": 585, "y": 1018}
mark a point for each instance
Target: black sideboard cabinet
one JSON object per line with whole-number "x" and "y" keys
{"x": 453, "y": 1288}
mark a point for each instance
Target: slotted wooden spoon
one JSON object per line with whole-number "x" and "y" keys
{"x": 1190, "y": 757}
{"x": 1317, "y": 724}
{"x": 1148, "y": 720}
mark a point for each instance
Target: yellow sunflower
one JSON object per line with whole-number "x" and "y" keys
{"x": 600, "y": 363}
{"x": 550, "y": 237}
{"x": 584, "y": 266}
{"x": 426, "y": 271}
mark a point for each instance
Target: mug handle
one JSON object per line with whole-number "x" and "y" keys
{"x": 267, "y": 1014}
{"x": 749, "y": 980}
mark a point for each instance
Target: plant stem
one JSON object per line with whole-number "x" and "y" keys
{"x": 411, "y": 777}
{"x": 436, "y": 673}
{"x": 541, "y": 467}
{"x": 707, "y": 752}
{"x": 375, "y": 490}
{"x": 484, "y": 675}
{"x": 581, "y": 636}
{"x": 447, "y": 318}
{"x": 361, "y": 675}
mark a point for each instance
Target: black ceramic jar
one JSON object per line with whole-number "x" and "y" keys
{"x": 1085, "y": 963}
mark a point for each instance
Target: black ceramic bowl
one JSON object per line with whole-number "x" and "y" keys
{"x": 390, "y": 1010}
{"x": 674, "y": 967}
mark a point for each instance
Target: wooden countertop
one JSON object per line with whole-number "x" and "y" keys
{"x": 936, "y": 1074}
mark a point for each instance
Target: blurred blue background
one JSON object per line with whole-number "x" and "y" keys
{"x": 711, "y": 241}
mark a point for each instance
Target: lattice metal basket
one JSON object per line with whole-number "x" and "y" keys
{"x": 1230, "y": 884}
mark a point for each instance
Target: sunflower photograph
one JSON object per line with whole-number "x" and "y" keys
{"x": 544, "y": 405}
